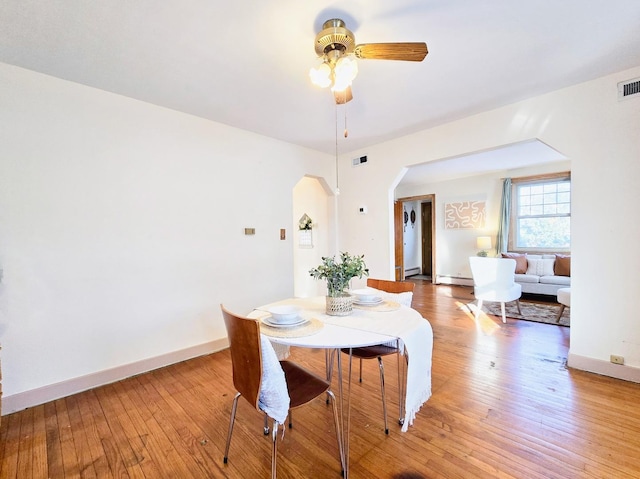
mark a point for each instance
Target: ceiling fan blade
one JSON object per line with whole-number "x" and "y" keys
{"x": 343, "y": 96}
{"x": 411, "y": 51}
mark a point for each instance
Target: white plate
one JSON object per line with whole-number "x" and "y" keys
{"x": 375, "y": 302}
{"x": 269, "y": 322}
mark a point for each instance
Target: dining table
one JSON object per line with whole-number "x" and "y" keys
{"x": 387, "y": 321}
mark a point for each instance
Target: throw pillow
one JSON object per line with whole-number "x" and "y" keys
{"x": 563, "y": 265}
{"x": 540, "y": 267}
{"x": 521, "y": 261}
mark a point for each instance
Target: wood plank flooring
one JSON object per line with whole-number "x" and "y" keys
{"x": 504, "y": 405}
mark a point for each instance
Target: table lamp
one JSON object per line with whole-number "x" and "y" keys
{"x": 483, "y": 243}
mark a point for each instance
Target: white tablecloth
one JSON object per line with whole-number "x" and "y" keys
{"x": 364, "y": 328}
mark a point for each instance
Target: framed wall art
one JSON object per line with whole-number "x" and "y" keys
{"x": 464, "y": 215}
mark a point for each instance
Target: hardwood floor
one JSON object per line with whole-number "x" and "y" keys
{"x": 503, "y": 405}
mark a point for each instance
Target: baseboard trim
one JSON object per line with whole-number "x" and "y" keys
{"x": 454, "y": 280}
{"x": 51, "y": 392}
{"x": 604, "y": 368}
{"x": 411, "y": 271}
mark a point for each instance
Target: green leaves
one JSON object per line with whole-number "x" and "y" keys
{"x": 339, "y": 274}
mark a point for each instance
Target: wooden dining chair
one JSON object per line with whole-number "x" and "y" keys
{"x": 247, "y": 364}
{"x": 380, "y": 350}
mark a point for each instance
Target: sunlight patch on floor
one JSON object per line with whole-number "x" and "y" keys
{"x": 484, "y": 323}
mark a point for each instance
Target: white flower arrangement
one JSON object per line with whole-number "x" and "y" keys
{"x": 305, "y": 223}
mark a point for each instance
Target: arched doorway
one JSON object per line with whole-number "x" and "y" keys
{"x": 312, "y": 197}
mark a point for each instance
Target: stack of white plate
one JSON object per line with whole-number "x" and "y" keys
{"x": 366, "y": 297}
{"x": 284, "y": 316}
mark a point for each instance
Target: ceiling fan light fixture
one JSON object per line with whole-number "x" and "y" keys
{"x": 321, "y": 75}
{"x": 336, "y": 46}
{"x": 340, "y": 84}
{"x": 346, "y": 69}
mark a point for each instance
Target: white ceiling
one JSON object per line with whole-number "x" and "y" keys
{"x": 517, "y": 155}
{"x": 245, "y": 63}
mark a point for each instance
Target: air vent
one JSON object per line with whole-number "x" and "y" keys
{"x": 630, "y": 88}
{"x": 359, "y": 161}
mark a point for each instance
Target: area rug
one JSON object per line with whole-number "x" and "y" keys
{"x": 537, "y": 312}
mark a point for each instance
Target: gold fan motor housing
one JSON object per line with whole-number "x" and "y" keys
{"x": 335, "y": 36}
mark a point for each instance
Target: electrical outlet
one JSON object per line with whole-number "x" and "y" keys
{"x": 617, "y": 359}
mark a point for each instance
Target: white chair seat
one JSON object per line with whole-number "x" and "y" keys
{"x": 490, "y": 293}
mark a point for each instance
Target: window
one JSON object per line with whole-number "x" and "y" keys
{"x": 541, "y": 213}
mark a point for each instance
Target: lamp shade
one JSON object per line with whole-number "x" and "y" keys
{"x": 483, "y": 242}
{"x": 344, "y": 72}
{"x": 346, "y": 69}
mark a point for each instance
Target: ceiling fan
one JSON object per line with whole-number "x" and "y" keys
{"x": 336, "y": 46}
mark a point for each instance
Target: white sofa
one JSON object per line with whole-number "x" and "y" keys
{"x": 542, "y": 274}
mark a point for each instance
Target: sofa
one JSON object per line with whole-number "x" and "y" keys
{"x": 542, "y": 273}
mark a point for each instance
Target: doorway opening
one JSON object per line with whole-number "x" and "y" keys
{"x": 415, "y": 227}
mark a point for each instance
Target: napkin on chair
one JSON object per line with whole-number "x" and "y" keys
{"x": 274, "y": 395}
{"x": 282, "y": 350}
{"x": 403, "y": 298}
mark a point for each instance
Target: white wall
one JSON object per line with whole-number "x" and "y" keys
{"x": 600, "y": 136}
{"x": 121, "y": 229}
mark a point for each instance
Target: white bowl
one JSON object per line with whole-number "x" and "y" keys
{"x": 284, "y": 314}
{"x": 366, "y": 295}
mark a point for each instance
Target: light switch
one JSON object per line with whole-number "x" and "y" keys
{"x": 249, "y": 231}
{"x": 283, "y": 234}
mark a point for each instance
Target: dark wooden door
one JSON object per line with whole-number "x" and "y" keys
{"x": 427, "y": 238}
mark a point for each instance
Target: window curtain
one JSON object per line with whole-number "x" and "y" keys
{"x": 502, "y": 239}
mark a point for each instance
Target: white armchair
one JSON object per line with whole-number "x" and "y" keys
{"x": 494, "y": 280}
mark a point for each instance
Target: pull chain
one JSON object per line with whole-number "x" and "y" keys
{"x": 337, "y": 182}
{"x": 346, "y": 131}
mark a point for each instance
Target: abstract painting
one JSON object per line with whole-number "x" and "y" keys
{"x": 464, "y": 215}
